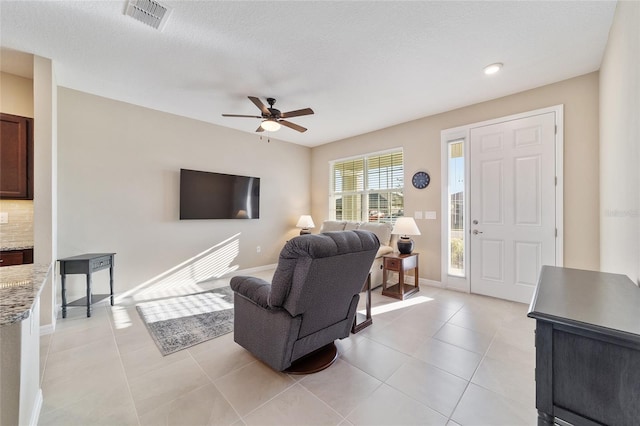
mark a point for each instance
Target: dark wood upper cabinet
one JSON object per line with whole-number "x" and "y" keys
{"x": 16, "y": 157}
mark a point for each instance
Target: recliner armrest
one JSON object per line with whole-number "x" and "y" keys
{"x": 255, "y": 289}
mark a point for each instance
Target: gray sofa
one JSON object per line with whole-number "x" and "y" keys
{"x": 311, "y": 301}
{"x": 382, "y": 231}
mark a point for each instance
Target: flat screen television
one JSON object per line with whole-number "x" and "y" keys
{"x": 207, "y": 195}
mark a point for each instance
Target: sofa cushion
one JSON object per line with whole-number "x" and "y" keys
{"x": 384, "y": 250}
{"x": 382, "y": 231}
{"x": 351, "y": 226}
{"x": 333, "y": 225}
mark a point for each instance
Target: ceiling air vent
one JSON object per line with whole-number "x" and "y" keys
{"x": 148, "y": 12}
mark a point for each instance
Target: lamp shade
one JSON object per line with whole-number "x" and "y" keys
{"x": 305, "y": 221}
{"x": 270, "y": 125}
{"x": 405, "y": 226}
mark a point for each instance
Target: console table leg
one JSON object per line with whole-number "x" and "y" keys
{"x": 545, "y": 419}
{"x": 88, "y": 295}
{"x": 64, "y": 296}
{"x": 111, "y": 280}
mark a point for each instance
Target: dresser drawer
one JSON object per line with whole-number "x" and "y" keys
{"x": 392, "y": 264}
{"x": 100, "y": 263}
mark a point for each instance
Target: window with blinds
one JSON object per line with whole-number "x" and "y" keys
{"x": 368, "y": 188}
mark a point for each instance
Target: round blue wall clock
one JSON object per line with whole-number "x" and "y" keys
{"x": 421, "y": 180}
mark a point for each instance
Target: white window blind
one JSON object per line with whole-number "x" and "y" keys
{"x": 368, "y": 188}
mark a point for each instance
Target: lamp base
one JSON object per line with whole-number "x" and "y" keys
{"x": 305, "y": 231}
{"x": 405, "y": 245}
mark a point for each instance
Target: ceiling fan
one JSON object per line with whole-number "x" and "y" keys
{"x": 272, "y": 118}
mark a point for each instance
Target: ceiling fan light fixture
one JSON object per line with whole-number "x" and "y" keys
{"x": 493, "y": 68}
{"x": 270, "y": 125}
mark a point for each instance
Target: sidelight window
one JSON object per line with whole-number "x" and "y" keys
{"x": 456, "y": 197}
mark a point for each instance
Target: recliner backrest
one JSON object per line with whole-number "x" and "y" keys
{"x": 318, "y": 275}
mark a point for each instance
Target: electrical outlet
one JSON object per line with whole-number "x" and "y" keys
{"x": 4, "y": 217}
{"x": 258, "y": 249}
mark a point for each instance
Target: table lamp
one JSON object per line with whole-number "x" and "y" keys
{"x": 305, "y": 222}
{"x": 405, "y": 226}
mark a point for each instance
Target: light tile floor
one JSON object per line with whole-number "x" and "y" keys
{"x": 439, "y": 358}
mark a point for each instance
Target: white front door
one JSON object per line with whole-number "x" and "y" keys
{"x": 512, "y": 205}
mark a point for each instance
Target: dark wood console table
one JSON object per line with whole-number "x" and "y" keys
{"x": 86, "y": 264}
{"x": 587, "y": 347}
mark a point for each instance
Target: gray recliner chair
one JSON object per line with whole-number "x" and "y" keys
{"x": 310, "y": 303}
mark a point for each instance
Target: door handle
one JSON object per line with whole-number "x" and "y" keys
{"x": 476, "y": 232}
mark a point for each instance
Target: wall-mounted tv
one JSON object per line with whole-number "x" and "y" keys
{"x": 207, "y": 195}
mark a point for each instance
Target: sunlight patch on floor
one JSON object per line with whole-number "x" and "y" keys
{"x": 121, "y": 318}
{"x": 401, "y": 304}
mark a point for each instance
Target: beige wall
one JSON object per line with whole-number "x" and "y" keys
{"x": 620, "y": 144}
{"x": 118, "y": 186}
{"x": 16, "y": 95}
{"x": 45, "y": 192}
{"x": 420, "y": 140}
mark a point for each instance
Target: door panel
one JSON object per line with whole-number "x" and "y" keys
{"x": 492, "y": 205}
{"x": 527, "y": 191}
{"x": 512, "y": 205}
{"x": 493, "y": 260}
{"x": 527, "y": 262}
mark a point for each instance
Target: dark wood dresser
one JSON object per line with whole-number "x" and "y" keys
{"x": 587, "y": 347}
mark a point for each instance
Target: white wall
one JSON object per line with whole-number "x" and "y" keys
{"x": 45, "y": 195}
{"x": 420, "y": 140}
{"x": 620, "y": 144}
{"x": 118, "y": 186}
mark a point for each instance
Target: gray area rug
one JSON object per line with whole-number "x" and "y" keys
{"x": 181, "y": 322}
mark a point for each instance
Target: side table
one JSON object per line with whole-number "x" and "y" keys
{"x": 86, "y": 264}
{"x": 400, "y": 263}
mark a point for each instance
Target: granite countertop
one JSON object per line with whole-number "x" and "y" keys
{"x": 20, "y": 285}
{"x": 17, "y": 246}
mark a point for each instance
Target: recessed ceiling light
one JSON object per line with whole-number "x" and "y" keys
{"x": 493, "y": 68}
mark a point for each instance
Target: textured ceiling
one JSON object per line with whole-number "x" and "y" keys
{"x": 360, "y": 65}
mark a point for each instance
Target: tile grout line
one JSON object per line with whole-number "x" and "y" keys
{"x": 124, "y": 371}
{"x": 215, "y": 386}
{"x": 484, "y": 355}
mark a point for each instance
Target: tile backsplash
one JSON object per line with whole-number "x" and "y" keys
{"x": 19, "y": 231}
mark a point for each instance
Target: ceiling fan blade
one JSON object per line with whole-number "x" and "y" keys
{"x": 238, "y": 115}
{"x": 292, "y": 126}
{"x": 260, "y": 105}
{"x": 297, "y": 113}
{"x": 259, "y": 129}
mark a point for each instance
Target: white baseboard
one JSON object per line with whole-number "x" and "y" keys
{"x": 51, "y": 328}
{"x": 37, "y": 406}
{"x": 430, "y": 283}
{"x": 409, "y": 279}
{"x": 47, "y": 329}
{"x": 250, "y": 271}
{"x": 462, "y": 289}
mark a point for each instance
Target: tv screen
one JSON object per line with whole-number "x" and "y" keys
{"x": 206, "y": 195}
